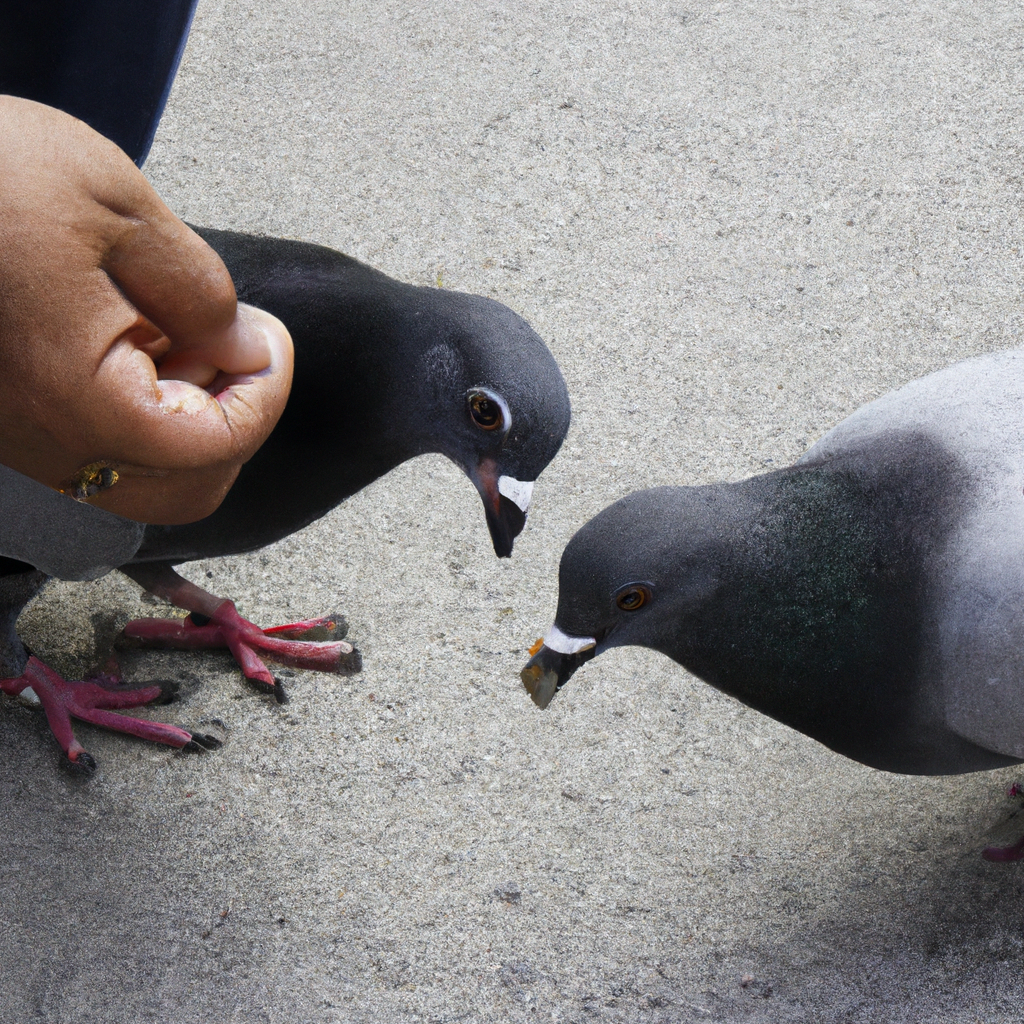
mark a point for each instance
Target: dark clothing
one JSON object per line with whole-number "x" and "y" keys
{"x": 63, "y": 537}
{"x": 109, "y": 62}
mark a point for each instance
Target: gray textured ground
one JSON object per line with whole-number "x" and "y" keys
{"x": 733, "y": 223}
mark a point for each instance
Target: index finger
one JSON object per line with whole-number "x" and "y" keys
{"x": 171, "y": 276}
{"x": 163, "y": 267}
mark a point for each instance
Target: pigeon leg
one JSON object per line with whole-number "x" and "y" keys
{"x": 90, "y": 701}
{"x": 214, "y": 622}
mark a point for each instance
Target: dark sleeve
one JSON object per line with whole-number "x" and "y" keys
{"x": 108, "y": 62}
{"x": 65, "y": 538}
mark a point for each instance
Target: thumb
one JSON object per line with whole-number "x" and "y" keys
{"x": 164, "y": 420}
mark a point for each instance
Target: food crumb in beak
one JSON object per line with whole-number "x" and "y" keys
{"x": 535, "y": 647}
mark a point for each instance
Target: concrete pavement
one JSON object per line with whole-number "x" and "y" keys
{"x": 733, "y": 223}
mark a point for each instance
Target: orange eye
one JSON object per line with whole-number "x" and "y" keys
{"x": 485, "y": 411}
{"x": 534, "y": 648}
{"x": 632, "y": 598}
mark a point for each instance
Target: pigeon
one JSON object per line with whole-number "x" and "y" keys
{"x": 384, "y": 371}
{"x": 870, "y": 596}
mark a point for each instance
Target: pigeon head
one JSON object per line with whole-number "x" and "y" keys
{"x": 633, "y": 575}
{"x": 495, "y": 402}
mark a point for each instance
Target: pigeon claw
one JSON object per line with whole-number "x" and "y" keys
{"x": 249, "y": 644}
{"x": 168, "y": 690}
{"x": 93, "y": 702}
{"x": 275, "y": 689}
{"x": 202, "y": 743}
{"x": 83, "y": 766}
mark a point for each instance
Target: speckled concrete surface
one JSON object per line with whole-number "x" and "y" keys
{"x": 733, "y": 223}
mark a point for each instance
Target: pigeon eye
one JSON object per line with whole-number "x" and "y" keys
{"x": 485, "y": 410}
{"x": 630, "y": 598}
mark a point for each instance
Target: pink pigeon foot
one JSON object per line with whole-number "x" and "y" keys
{"x": 214, "y": 622}
{"x": 91, "y": 700}
{"x": 246, "y": 641}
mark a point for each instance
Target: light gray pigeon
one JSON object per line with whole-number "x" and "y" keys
{"x": 870, "y": 596}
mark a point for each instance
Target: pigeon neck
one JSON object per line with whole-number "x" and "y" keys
{"x": 819, "y": 598}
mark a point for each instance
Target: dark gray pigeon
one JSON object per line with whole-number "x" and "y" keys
{"x": 870, "y": 596}
{"x": 384, "y": 371}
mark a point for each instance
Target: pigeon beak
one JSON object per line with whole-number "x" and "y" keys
{"x": 555, "y": 659}
{"x": 506, "y": 501}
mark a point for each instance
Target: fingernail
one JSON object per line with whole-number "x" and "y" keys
{"x": 274, "y": 334}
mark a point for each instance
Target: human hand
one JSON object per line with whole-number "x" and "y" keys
{"x": 121, "y": 340}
